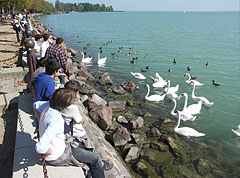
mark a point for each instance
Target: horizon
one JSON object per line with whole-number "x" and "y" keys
{"x": 171, "y": 5}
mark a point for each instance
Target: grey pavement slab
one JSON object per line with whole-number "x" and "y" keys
{"x": 26, "y": 161}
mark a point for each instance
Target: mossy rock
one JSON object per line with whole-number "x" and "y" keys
{"x": 169, "y": 170}
{"x": 156, "y": 158}
{"x": 159, "y": 146}
{"x": 146, "y": 170}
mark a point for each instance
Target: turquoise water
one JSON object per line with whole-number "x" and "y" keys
{"x": 192, "y": 38}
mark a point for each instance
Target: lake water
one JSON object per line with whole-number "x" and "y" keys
{"x": 192, "y": 38}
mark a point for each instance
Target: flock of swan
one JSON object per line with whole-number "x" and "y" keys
{"x": 189, "y": 112}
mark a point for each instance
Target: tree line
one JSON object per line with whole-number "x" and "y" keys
{"x": 42, "y": 6}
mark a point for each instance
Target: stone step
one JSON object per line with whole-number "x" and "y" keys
{"x": 26, "y": 163}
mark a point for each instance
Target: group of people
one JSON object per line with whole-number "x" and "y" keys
{"x": 62, "y": 137}
{"x": 21, "y": 22}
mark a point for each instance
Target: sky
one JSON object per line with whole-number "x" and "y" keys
{"x": 165, "y": 5}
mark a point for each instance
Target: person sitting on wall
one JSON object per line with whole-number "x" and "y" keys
{"x": 43, "y": 83}
{"x": 57, "y": 51}
{"x": 38, "y": 42}
{"x": 52, "y": 145}
{"x": 45, "y": 45}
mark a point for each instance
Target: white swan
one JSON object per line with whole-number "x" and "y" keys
{"x": 193, "y": 108}
{"x": 155, "y": 97}
{"x": 186, "y": 131}
{"x": 204, "y": 100}
{"x": 171, "y": 89}
{"x": 86, "y": 60}
{"x": 172, "y": 95}
{"x": 185, "y": 116}
{"x": 138, "y": 76}
{"x": 189, "y": 81}
{"x": 237, "y": 132}
{"x": 101, "y": 61}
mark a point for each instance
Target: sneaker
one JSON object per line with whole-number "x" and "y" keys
{"x": 107, "y": 165}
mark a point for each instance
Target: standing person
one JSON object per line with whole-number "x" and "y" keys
{"x": 57, "y": 51}
{"x": 45, "y": 45}
{"x": 44, "y": 86}
{"x": 16, "y": 26}
{"x": 52, "y": 145}
{"x": 22, "y": 21}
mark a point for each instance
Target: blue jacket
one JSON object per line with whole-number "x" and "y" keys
{"x": 44, "y": 87}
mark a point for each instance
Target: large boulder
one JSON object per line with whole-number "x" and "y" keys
{"x": 102, "y": 115}
{"x": 129, "y": 86}
{"x": 137, "y": 122}
{"x": 117, "y": 105}
{"x": 87, "y": 89}
{"x": 96, "y": 100}
{"x": 120, "y": 136}
{"x": 84, "y": 73}
{"x": 105, "y": 79}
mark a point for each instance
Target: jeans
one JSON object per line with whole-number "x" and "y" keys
{"x": 17, "y": 33}
{"x": 90, "y": 158}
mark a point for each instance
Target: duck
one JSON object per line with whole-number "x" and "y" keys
{"x": 131, "y": 61}
{"x": 86, "y": 60}
{"x": 135, "y": 58}
{"x": 215, "y": 84}
{"x": 189, "y": 81}
{"x": 207, "y": 64}
{"x": 237, "y": 132}
{"x": 135, "y": 52}
{"x": 128, "y": 54}
{"x": 186, "y": 131}
{"x": 84, "y": 48}
{"x": 115, "y": 56}
{"x": 120, "y": 51}
{"x": 171, "y": 89}
{"x": 169, "y": 70}
{"x": 100, "y": 48}
{"x": 89, "y": 44}
{"x": 101, "y": 51}
{"x": 192, "y": 109}
{"x": 143, "y": 70}
{"x": 131, "y": 48}
{"x": 101, "y": 61}
{"x": 184, "y": 117}
{"x": 194, "y": 78}
{"x": 204, "y": 100}
{"x": 174, "y": 61}
{"x": 188, "y": 68}
{"x": 138, "y": 76}
{"x": 147, "y": 67}
{"x": 120, "y": 47}
{"x": 155, "y": 97}
{"x": 146, "y": 56}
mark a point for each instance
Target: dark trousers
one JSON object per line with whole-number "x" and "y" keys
{"x": 17, "y": 33}
{"x": 90, "y": 158}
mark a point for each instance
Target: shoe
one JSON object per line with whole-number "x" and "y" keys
{"x": 107, "y": 165}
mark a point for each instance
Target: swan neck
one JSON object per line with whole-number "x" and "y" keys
{"x": 186, "y": 100}
{"x": 173, "y": 110}
{"x": 193, "y": 91}
{"x": 189, "y": 77}
{"x": 178, "y": 123}
{"x": 147, "y": 91}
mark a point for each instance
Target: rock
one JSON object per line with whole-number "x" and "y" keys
{"x": 71, "y": 77}
{"x": 71, "y": 69}
{"x": 203, "y": 167}
{"x": 141, "y": 167}
{"x": 147, "y": 115}
{"x": 117, "y": 105}
{"x": 122, "y": 119}
{"x": 120, "y": 136}
{"x": 178, "y": 149}
{"x": 168, "y": 170}
{"x": 102, "y": 115}
{"x": 87, "y": 89}
{"x": 132, "y": 155}
{"x": 84, "y": 73}
{"x": 137, "y": 122}
{"x": 105, "y": 79}
{"x": 72, "y": 51}
{"x": 83, "y": 98}
{"x": 138, "y": 138}
{"x": 167, "y": 121}
{"x": 118, "y": 90}
{"x": 156, "y": 158}
{"x": 146, "y": 170}
{"x": 129, "y": 86}
{"x": 130, "y": 102}
{"x": 96, "y": 100}
{"x": 154, "y": 132}
{"x": 159, "y": 146}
